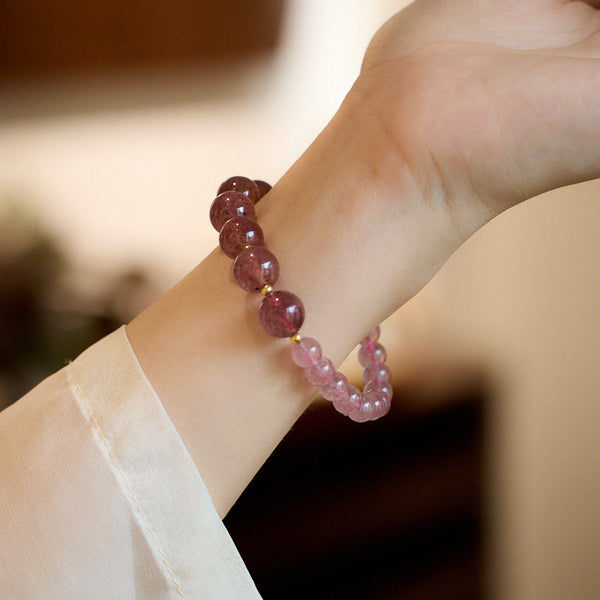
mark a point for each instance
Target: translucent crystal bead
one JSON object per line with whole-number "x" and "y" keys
{"x": 379, "y": 385}
{"x": 371, "y": 352}
{"x": 373, "y": 335}
{"x": 281, "y": 314}
{"x": 263, "y": 188}
{"x": 321, "y": 372}
{"x": 349, "y": 403}
{"x": 254, "y": 268}
{"x": 228, "y": 205}
{"x": 336, "y": 389}
{"x": 241, "y": 184}
{"x": 307, "y": 352}
{"x": 238, "y": 233}
{"x": 376, "y": 370}
{"x": 366, "y": 410}
{"x": 382, "y": 406}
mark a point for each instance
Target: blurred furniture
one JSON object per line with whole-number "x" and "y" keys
{"x": 83, "y": 36}
{"x": 386, "y": 510}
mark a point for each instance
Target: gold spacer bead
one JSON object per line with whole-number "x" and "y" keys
{"x": 266, "y": 289}
{"x": 296, "y": 338}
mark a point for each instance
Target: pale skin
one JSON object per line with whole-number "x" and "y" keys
{"x": 462, "y": 110}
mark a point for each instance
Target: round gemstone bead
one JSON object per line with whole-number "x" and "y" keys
{"x": 366, "y": 411}
{"x": 371, "y": 352}
{"x": 281, "y": 314}
{"x": 382, "y": 406}
{"x": 263, "y": 188}
{"x": 376, "y": 370}
{"x": 321, "y": 373}
{"x": 228, "y": 205}
{"x": 336, "y": 389}
{"x": 307, "y": 352}
{"x": 379, "y": 385}
{"x": 254, "y": 268}
{"x": 241, "y": 184}
{"x": 349, "y": 403}
{"x": 373, "y": 335}
{"x": 238, "y": 233}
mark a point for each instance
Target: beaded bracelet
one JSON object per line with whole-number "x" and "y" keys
{"x": 281, "y": 313}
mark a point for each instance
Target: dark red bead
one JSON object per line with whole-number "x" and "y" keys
{"x": 281, "y": 314}
{"x": 228, "y": 205}
{"x": 263, "y": 188}
{"x": 239, "y": 233}
{"x": 241, "y": 184}
{"x": 254, "y": 268}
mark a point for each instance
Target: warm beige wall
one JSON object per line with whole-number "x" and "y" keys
{"x": 525, "y": 294}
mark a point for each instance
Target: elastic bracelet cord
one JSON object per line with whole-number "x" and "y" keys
{"x": 281, "y": 313}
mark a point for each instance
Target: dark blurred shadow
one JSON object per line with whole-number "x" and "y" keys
{"x": 49, "y": 313}
{"x": 378, "y": 511}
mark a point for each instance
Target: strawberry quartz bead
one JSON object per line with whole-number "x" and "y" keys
{"x": 321, "y": 373}
{"x": 376, "y": 370}
{"x": 350, "y": 402}
{"x": 372, "y": 406}
{"x": 307, "y": 352}
{"x": 239, "y": 233}
{"x": 241, "y": 184}
{"x": 263, "y": 187}
{"x": 254, "y": 268}
{"x": 381, "y": 404}
{"x": 364, "y": 412}
{"x": 378, "y": 385}
{"x": 371, "y": 352}
{"x": 373, "y": 335}
{"x": 281, "y": 314}
{"x": 336, "y": 389}
{"x": 228, "y": 205}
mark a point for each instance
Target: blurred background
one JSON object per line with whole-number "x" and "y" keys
{"x": 118, "y": 121}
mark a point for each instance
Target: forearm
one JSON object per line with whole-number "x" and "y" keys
{"x": 334, "y": 221}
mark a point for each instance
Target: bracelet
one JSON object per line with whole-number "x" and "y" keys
{"x": 281, "y": 313}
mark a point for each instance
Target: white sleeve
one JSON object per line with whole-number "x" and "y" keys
{"x": 100, "y": 499}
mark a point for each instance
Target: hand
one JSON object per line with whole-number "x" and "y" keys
{"x": 488, "y": 102}
{"x": 462, "y": 109}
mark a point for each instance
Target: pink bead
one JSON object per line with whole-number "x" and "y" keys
{"x": 321, "y": 373}
{"x": 373, "y": 335}
{"x": 378, "y": 385}
{"x": 307, "y": 352}
{"x": 281, "y": 314}
{"x": 376, "y": 370}
{"x": 263, "y": 188}
{"x": 254, "y": 268}
{"x": 239, "y": 232}
{"x": 371, "y": 352}
{"x": 350, "y": 403}
{"x": 336, "y": 389}
{"x": 365, "y": 411}
{"x": 382, "y": 407}
{"x": 228, "y": 205}
{"x": 241, "y": 184}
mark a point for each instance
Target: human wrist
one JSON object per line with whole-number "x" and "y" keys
{"x": 348, "y": 236}
{"x": 352, "y": 210}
